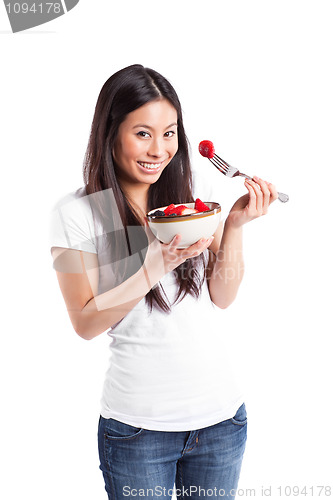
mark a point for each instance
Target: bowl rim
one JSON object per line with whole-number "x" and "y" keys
{"x": 216, "y": 208}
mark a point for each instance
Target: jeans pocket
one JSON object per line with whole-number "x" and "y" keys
{"x": 240, "y": 418}
{"x": 114, "y": 429}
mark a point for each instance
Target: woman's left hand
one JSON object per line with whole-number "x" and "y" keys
{"x": 254, "y": 204}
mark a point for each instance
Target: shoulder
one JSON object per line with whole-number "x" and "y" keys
{"x": 74, "y": 204}
{"x": 76, "y": 198}
{"x": 71, "y": 222}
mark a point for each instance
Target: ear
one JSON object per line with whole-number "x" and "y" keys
{"x": 115, "y": 149}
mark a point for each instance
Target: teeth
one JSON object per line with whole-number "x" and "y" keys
{"x": 150, "y": 166}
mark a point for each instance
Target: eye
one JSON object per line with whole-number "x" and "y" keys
{"x": 170, "y": 133}
{"x": 142, "y": 133}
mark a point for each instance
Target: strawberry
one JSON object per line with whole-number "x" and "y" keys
{"x": 187, "y": 211}
{"x": 206, "y": 149}
{"x": 169, "y": 210}
{"x": 200, "y": 206}
{"x": 179, "y": 210}
{"x": 173, "y": 210}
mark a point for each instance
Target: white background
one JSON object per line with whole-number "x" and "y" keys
{"x": 254, "y": 77}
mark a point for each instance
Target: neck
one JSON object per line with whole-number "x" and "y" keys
{"x": 138, "y": 198}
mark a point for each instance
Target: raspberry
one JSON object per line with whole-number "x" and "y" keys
{"x": 200, "y": 206}
{"x": 206, "y": 149}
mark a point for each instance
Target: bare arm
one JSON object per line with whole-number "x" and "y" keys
{"x": 90, "y": 313}
{"x": 227, "y": 265}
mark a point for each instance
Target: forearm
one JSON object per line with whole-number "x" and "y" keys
{"x": 106, "y": 309}
{"x": 228, "y": 269}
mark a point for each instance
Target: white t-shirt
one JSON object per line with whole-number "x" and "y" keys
{"x": 167, "y": 372}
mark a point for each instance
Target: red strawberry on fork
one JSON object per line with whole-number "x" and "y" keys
{"x": 206, "y": 149}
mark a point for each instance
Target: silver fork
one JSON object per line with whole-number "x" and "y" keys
{"x": 230, "y": 171}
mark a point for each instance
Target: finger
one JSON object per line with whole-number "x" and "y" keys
{"x": 252, "y": 204}
{"x": 191, "y": 251}
{"x": 259, "y": 194}
{"x": 197, "y": 248}
{"x": 273, "y": 192}
{"x": 174, "y": 242}
{"x": 266, "y": 194}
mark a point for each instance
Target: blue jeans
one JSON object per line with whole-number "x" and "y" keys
{"x": 204, "y": 463}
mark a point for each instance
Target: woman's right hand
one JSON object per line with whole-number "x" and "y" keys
{"x": 163, "y": 258}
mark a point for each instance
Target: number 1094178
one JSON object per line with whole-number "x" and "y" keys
{"x": 35, "y": 8}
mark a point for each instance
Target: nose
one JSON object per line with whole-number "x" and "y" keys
{"x": 155, "y": 148}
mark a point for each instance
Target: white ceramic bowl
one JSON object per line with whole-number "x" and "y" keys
{"x": 191, "y": 227}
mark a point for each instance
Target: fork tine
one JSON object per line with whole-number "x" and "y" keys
{"x": 222, "y": 162}
{"x": 218, "y": 165}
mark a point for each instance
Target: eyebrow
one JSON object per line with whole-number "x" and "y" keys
{"x": 150, "y": 128}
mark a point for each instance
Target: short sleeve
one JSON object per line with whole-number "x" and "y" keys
{"x": 72, "y": 224}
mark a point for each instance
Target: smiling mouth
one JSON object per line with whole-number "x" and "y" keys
{"x": 150, "y": 166}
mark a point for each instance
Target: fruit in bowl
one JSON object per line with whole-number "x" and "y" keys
{"x": 192, "y": 221}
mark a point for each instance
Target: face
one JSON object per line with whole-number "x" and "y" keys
{"x": 146, "y": 142}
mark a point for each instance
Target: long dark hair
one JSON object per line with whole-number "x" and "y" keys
{"x": 124, "y": 92}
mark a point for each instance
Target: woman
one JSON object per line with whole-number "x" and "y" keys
{"x": 171, "y": 412}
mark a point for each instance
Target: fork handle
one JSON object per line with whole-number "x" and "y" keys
{"x": 281, "y": 196}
